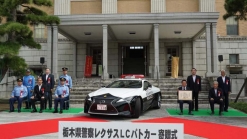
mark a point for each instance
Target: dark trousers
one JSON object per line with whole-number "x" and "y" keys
{"x": 61, "y": 100}
{"x": 67, "y": 105}
{"x": 13, "y": 100}
{"x": 212, "y": 102}
{"x": 28, "y": 101}
{"x": 49, "y": 99}
{"x": 195, "y": 100}
{"x": 181, "y": 103}
{"x": 226, "y": 101}
{"x": 42, "y": 102}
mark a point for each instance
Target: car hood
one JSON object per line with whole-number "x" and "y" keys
{"x": 118, "y": 92}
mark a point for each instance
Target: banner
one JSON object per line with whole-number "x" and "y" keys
{"x": 88, "y": 66}
{"x": 119, "y": 130}
{"x": 175, "y": 67}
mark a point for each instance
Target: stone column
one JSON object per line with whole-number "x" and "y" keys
{"x": 158, "y": 6}
{"x": 55, "y": 51}
{"x": 109, "y": 6}
{"x": 74, "y": 60}
{"x": 208, "y": 50}
{"x": 214, "y": 49}
{"x": 206, "y": 5}
{"x": 61, "y": 7}
{"x": 193, "y": 54}
{"x": 156, "y": 51}
{"x": 105, "y": 52}
{"x": 49, "y": 50}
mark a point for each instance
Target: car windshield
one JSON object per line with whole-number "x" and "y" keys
{"x": 125, "y": 84}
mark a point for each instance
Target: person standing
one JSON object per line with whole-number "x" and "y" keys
{"x": 49, "y": 82}
{"x": 68, "y": 82}
{"x": 29, "y": 82}
{"x": 61, "y": 94}
{"x": 194, "y": 83}
{"x": 225, "y": 85}
{"x": 19, "y": 94}
{"x": 216, "y": 95}
{"x": 181, "y": 102}
{"x": 39, "y": 95}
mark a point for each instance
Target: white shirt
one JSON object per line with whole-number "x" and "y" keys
{"x": 223, "y": 78}
{"x": 215, "y": 90}
{"x": 194, "y": 78}
{"x": 46, "y": 76}
{"x": 183, "y": 88}
{"x": 40, "y": 87}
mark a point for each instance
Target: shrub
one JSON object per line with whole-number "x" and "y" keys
{"x": 242, "y": 106}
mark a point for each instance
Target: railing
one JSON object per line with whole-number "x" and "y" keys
{"x": 240, "y": 91}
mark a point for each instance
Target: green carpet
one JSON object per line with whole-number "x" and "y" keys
{"x": 69, "y": 111}
{"x": 206, "y": 112}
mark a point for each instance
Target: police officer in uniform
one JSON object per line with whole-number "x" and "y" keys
{"x": 29, "y": 82}
{"x": 68, "y": 82}
{"x": 19, "y": 94}
{"x": 61, "y": 94}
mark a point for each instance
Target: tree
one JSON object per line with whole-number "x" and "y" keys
{"x": 237, "y": 8}
{"x": 19, "y": 15}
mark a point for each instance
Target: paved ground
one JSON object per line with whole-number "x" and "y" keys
{"x": 6, "y": 117}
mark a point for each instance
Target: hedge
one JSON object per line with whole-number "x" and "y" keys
{"x": 242, "y": 106}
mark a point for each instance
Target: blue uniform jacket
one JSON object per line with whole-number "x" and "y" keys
{"x": 19, "y": 91}
{"x": 29, "y": 81}
{"x": 62, "y": 90}
{"x": 68, "y": 81}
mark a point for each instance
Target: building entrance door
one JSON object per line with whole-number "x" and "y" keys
{"x": 134, "y": 60}
{"x": 97, "y": 61}
{"x": 171, "y": 51}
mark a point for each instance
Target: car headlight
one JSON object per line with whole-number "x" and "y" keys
{"x": 89, "y": 98}
{"x": 127, "y": 99}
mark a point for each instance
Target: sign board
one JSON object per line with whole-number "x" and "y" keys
{"x": 88, "y": 66}
{"x": 184, "y": 95}
{"x": 119, "y": 130}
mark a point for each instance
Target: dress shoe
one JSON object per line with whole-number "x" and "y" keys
{"x": 19, "y": 111}
{"x": 61, "y": 112}
{"x": 190, "y": 113}
{"x": 33, "y": 111}
{"x": 55, "y": 111}
{"x": 181, "y": 113}
{"x": 196, "y": 110}
{"x": 40, "y": 111}
{"x": 212, "y": 113}
{"x": 11, "y": 111}
{"x": 220, "y": 114}
{"x": 226, "y": 110}
{"x": 27, "y": 108}
{"x": 49, "y": 108}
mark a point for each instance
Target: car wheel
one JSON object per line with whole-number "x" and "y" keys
{"x": 157, "y": 102}
{"x": 137, "y": 110}
{"x": 86, "y": 108}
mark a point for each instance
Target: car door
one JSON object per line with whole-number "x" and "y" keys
{"x": 147, "y": 88}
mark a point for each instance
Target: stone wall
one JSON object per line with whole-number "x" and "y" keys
{"x": 200, "y": 57}
{"x": 113, "y": 59}
{"x": 186, "y": 58}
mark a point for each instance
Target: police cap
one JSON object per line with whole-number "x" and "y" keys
{"x": 28, "y": 70}
{"x": 64, "y": 69}
{"x": 62, "y": 79}
{"x": 19, "y": 80}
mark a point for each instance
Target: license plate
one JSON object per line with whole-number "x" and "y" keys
{"x": 101, "y": 107}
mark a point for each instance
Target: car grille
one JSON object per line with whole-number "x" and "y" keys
{"x": 110, "y": 108}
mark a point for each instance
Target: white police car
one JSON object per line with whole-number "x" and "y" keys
{"x": 128, "y": 97}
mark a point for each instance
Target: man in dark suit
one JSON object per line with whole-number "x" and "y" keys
{"x": 38, "y": 95}
{"x": 225, "y": 85}
{"x": 216, "y": 95}
{"x": 181, "y": 102}
{"x": 48, "y": 80}
{"x": 194, "y": 83}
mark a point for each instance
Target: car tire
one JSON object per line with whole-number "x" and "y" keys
{"x": 157, "y": 102}
{"x": 137, "y": 110}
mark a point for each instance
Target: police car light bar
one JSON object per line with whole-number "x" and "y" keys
{"x": 132, "y": 76}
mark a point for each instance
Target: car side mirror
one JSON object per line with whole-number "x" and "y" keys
{"x": 149, "y": 86}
